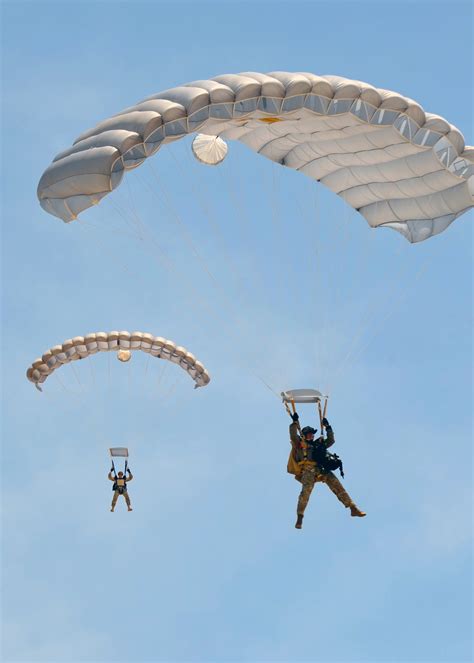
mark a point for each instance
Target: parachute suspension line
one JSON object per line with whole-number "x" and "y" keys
{"x": 161, "y": 374}
{"x": 106, "y": 224}
{"x": 394, "y": 304}
{"x": 162, "y": 258}
{"x": 216, "y": 227}
{"x": 182, "y": 227}
{"x": 76, "y": 375}
{"x": 168, "y": 264}
{"x": 91, "y": 368}
{"x": 312, "y": 219}
{"x": 340, "y": 296}
{"x": 147, "y": 363}
{"x": 245, "y": 224}
{"x": 280, "y": 240}
{"x": 78, "y": 191}
{"x": 314, "y": 225}
{"x": 367, "y": 318}
{"x": 121, "y": 224}
{"x": 359, "y": 329}
{"x": 407, "y": 291}
{"x": 170, "y": 392}
{"x": 325, "y": 286}
{"x": 264, "y": 382}
{"x": 63, "y": 386}
{"x": 87, "y": 226}
{"x": 108, "y": 371}
{"x": 190, "y": 242}
{"x": 126, "y": 215}
{"x": 334, "y": 271}
{"x": 209, "y": 215}
{"x": 135, "y": 214}
{"x": 228, "y": 302}
{"x": 274, "y": 193}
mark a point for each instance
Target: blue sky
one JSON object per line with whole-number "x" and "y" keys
{"x": 208, "y": 567}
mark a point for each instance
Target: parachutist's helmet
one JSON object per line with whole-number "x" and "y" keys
{"x": 120, "y": 474}
{"x": 307, "y": 430}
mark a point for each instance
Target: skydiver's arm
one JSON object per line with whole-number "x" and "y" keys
{"x": 110, "y": 477}
{"x": 329, "y": 441}
{"x": 294, "y": 437}
{"x": 130, "y": 476}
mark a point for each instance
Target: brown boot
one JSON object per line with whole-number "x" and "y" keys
{"x": 355, "y": 511}
{"x": 130, "y": 509}
{"x": 299, "y": 521}
{"x": 112, "y": 509}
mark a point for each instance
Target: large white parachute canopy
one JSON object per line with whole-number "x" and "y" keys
{"x": 123, "y": 343}
{"x": 397, "y": 165}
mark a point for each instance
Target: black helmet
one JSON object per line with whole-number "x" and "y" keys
{"x": 308, "y": 429}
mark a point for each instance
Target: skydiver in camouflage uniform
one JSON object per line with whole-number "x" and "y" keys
{"x": 120, "y": 487}
{"x": 308, "y": 472}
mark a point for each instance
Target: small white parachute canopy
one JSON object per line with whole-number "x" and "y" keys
{"x": 302, "y": 396}
{"x": 210, "y": 150}
{"x": 81, "y": 347}
{"x": 397, "y": 165}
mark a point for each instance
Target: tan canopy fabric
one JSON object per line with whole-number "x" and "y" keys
{"x": 397, "y": 165}
{"x": 81, "y": 347}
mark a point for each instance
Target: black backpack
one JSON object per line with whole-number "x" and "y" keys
{"x": 326, "y": 461}
{"x": 332, "y": 462}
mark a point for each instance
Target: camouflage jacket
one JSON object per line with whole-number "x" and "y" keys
{"x": 303, "y": 450}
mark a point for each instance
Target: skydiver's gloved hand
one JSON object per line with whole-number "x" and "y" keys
{"x": 326, "y": 423}
{"x": 128, "y": 470}
{"x": 295, "y": 417}
{"x": 111, "y": 470}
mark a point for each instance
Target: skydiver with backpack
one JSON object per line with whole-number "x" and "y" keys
{"x": 120, "y": 487}
{"x": 310, "y": 462}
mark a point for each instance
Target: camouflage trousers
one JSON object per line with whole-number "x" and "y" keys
{"x": 116, "y": 496}
{"x": 309, "y": 477}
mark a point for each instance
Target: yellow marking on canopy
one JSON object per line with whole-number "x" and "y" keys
{"x": 270, "y": 120}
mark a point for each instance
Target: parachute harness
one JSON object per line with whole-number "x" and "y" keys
{"x": 330, "y": 461}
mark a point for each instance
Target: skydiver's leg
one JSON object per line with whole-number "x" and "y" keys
{"x": 114, "y": 499}
{"x": 308, "y": 477}
{"x": 127, "y": 499}
{"x": 342, "y": 495}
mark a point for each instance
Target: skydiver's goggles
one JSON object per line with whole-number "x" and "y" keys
{"x": 307, "y": 430}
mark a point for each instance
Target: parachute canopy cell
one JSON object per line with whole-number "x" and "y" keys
{"x": 81, "y": 347}
{"x": 301, "y": 396}
{"x": 397, "y": 165}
